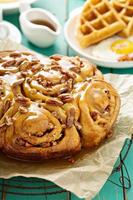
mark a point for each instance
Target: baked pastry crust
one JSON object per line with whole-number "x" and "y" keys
{"x": 46, "y": 106}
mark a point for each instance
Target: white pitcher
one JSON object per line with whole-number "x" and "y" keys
{"x": 40, "y": 35}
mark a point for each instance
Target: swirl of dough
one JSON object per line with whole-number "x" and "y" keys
{"x": 37, "y": 134}
{"x": 99, "y": 104}
{"x": 46, "y": 85}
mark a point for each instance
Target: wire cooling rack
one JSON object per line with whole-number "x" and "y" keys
{"x": 34, "y": 188}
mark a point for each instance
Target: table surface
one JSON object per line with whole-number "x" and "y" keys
{"x": 62, "y": 9}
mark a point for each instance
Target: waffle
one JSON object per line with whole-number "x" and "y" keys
{"x": 98, "y": 20}
{"x": 125, "y": 10}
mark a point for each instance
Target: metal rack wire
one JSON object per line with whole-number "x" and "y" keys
{"x": 33, "y": 187}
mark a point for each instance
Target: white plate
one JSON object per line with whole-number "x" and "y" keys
{"x": 14, "y": 32}
{"x": 13, "y": 6}
{"x": 69, "y": 31}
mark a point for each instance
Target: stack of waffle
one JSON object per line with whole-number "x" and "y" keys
{"x": 101, "y": 19}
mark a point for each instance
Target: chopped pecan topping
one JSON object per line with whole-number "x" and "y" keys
{"x": 9, "y": 63}
{"x": 76, "y": 69}
{"x": 34, "y": 62}
{"x": 56, "y": 67}
{"x": 23, "y": 101}
{"x": 24, "y": 66}
{"x": 94, "y": 115}
{"x": 70, "y": 84}
{"x": 36, "y": 67}
{"x": 7, "y": 106}
{"x": 56, "y": 57}
{"x": 70, "y": 118}
{"x": 23, "y": 110}
{"x": 41, "y": 81}
{"x": 70, "y": 75}
{"x": 54, "y": 102}
{"x": 66, "y": 97}
{"x": 62, "y": 90}
{"x": 20, "y": 61}
{"x": 15, "y": 54}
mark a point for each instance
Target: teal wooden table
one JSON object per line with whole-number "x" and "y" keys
{"x": 9, "y": 188}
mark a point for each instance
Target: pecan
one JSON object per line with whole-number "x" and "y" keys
{"x": 66, "y": 97}
{"x": 23, "y": 110}
{"x": 7, "y": 106}
{"x": 70, "y": 84}
{"x": 34, "y": 62}
{"x": 62, "y": 90}
{"x": 9, "y": 63}
{"x": 56, "y": 67}
{"x": 36, "y": 67}
{"x": 23, "y": 101}
{"x": 78, "y": 125}
{"x": 24, "y": 74}
{"x": 20, "y": 61}
{"x": 56, "y": 57}
{"x": 94, "y": 115}
{"x": 24, "y": 65}
{"x": 54, "y": 102}
{"x": 68, "y": 74}
{"x": 15, "y": 54}
{"x": 70, "y": 118}
{"x": 76, "y": 69}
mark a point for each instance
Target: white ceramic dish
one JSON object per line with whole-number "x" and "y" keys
{"x": 69, "y": 31}
{"x": 39, "y": 35}
{"x": 13, "y": 6}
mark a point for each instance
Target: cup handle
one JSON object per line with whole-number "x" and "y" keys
{"x": 23, "y": 6}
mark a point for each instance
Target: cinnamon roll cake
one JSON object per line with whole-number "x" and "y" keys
{"x": 53, "y": 108}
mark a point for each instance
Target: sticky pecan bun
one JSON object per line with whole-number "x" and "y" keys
{"x": 53, "y": 107}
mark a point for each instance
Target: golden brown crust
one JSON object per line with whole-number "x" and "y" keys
{"x": 42, "y": 105}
